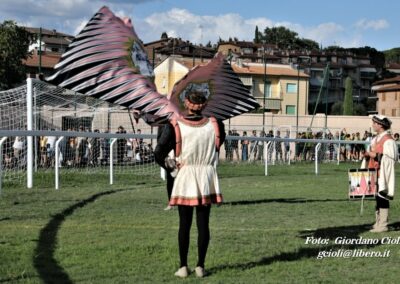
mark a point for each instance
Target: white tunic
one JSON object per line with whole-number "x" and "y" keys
{"x": 386, "y": 180}
{"x": 197, "y": 181}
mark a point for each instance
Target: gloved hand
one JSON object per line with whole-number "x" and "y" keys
{"x": 170, "y": 164}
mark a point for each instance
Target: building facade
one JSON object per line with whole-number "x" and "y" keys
{"x": 341, "y": 64}
{"x": 388, "y": 96}
{"x": 278, "y": 88}
{"x": 285, "y": 92}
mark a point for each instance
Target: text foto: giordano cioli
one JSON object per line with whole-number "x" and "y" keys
{"x": 353, "y": 241}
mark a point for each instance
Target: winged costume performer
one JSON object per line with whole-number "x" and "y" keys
{"x": 107, "y": 61}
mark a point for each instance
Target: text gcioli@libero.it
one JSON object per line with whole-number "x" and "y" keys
{"x": 354, "y": 252}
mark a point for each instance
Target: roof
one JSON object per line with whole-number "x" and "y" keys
{"x": 249, "y": 44}
{"x": 393, "y": 80}
{"x": 157, "y": 41}
{"x": 255, "y": 55}
{"x": 189, "y": 63}
{"x": 55, "y": 40}
{"x": 49, "y": 60}
{"x": 186, "y": 61}
{"x": 275, "y": 70}
{"x": 393, "y": 66}
{"x": 388, "y": 89}
{"x": 46, "y": 32}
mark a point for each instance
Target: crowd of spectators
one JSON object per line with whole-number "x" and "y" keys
{"x": 91, "y": 151}
{"x": 242, "y": 149}
{"x": 76, "y": 151}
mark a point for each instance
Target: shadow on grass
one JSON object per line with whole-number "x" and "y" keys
{"x": 312, "y": 251}
{"x": 281, "y": 200}
{"x": 45, "y": 263}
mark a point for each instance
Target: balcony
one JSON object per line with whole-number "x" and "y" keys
{"x": 246, "y": 80}
{"x": 270, "y": 103}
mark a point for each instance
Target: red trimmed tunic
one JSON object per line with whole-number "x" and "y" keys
{"x": 197, "y": 181}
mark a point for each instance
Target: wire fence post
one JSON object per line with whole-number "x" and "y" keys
{"x": 57, "y": 162}
{"x": 1, "y": 160}
{"x": 316, "y": 157}
{"x": 266, "y": 154}
{"x": 113, "y": 140}
{"x": 29, "y": 125}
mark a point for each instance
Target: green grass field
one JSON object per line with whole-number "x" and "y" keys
{"x": 88, "y": 232}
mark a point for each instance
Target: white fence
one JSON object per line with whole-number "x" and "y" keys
{"x": 140, "y": 157}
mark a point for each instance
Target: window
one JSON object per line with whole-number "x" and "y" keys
{"x": 265, "y": 88}
{"x": 383, "y": 112}
{"x": 268, "y": 90}
{"x": 290, "y": 109}
{"x": 291, "y": 88}
{"x": 383, "y": 97}
{"x": 394, "y": 112}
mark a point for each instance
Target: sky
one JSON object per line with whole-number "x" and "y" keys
{"x": 347, "y": 23}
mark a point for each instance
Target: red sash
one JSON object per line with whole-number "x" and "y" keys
{"x": 372, "y": 163}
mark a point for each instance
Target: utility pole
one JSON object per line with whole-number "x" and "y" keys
{"x": 265, "y": 84}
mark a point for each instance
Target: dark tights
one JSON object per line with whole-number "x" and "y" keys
{"x": 381, "y": 203}
{"x": 170, "y": 184}
{"x": 185, "y": 222}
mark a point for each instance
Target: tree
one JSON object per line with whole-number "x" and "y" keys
{"x": 308, "y": 44}
{"x": 281, "y": 36}
{"x": 392, "y": 55}
{"x": 14, "y": 44}
{"x": 348, "y": 97}
{"x": 287, "y": 39}
{"x": 257, "y": 36}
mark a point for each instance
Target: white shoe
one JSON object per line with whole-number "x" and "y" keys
{"x": 169, "y": 207}
{"x": 200, "y": 272}
{"x": 182, "y": 272}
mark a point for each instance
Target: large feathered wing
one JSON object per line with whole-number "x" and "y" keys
{"x": 227, "y": 95}
{"x": 107, "y": 61}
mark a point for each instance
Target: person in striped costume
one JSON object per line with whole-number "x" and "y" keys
{"x": 381, "y": 156}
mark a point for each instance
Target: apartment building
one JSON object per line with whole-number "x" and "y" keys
{"x": 388, "y": 96}
{"x": 46, "y": 50}
{"x": 341, "y": 65}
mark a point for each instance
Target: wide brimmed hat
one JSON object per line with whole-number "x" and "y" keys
{"x": 382, "y": 120}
